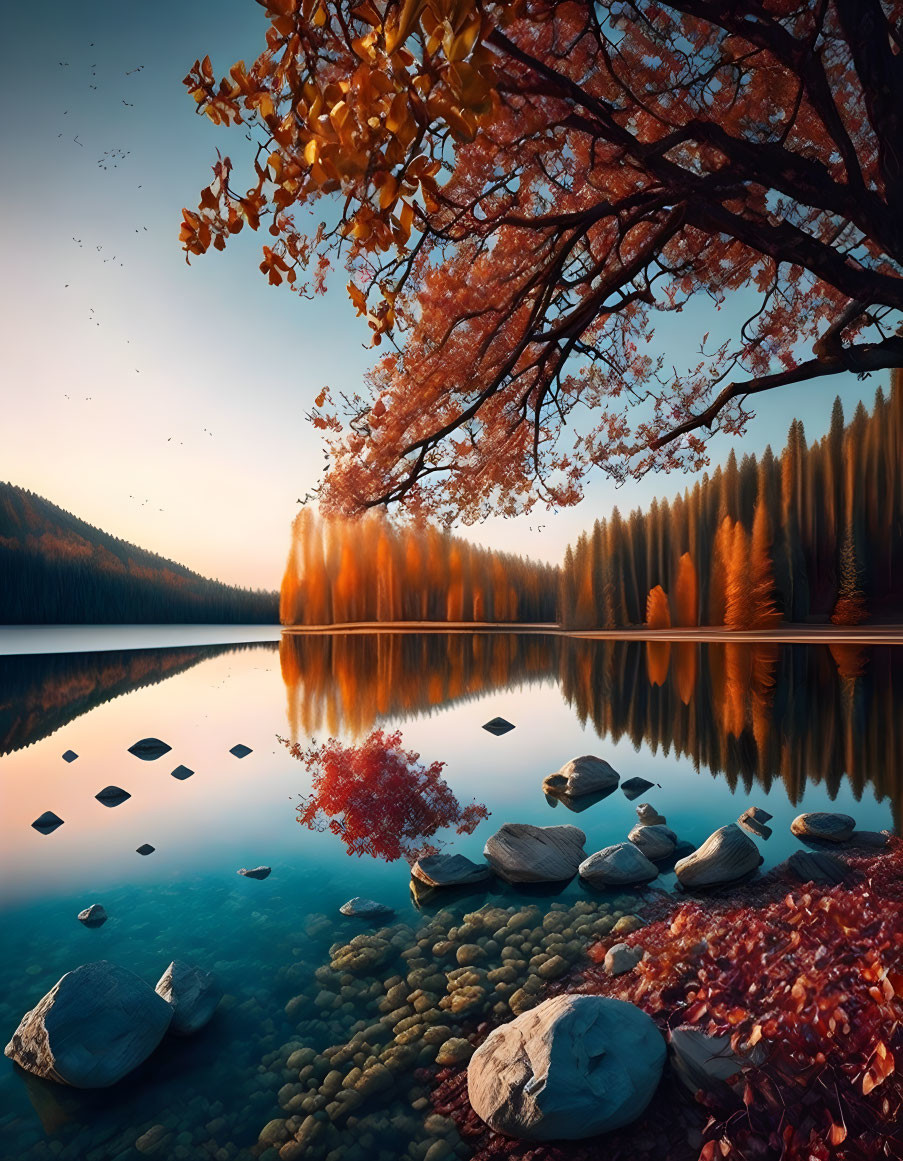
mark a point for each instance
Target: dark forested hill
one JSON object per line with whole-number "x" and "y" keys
{"x": 56, "y": 569}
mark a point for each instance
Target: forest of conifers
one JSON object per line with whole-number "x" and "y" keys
{"x": 815, "y": 533}
{"x": 57, "y": 569}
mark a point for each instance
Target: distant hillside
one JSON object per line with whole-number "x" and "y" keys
{"x": 56, "y": 569}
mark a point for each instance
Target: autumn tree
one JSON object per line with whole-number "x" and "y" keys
{"x": 658, "y": 609}
{"x": 850, "y": 608}
{"x": 518, "y": 188}
{"x": 686, "y": 592}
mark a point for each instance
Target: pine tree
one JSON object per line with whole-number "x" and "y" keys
{"x": 850, "y": 608}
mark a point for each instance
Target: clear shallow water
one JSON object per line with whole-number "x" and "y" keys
{"x": 717, "y": 728}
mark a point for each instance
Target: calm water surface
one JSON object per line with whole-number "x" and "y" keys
{"x": 715, "y": 728}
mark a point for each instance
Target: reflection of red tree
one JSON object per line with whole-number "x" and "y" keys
{"x": 378, "y": 798}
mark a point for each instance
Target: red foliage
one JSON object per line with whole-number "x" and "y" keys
{"x": 378, "y": 798}
{"x": 815, "y": 975}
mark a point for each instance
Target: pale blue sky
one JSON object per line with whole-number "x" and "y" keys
{"x": 112, "y": 384}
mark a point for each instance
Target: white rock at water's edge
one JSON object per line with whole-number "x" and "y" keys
{"x": 726, "y": 855}
{"x": 656, "y": 841}
{"x": 193, "y": 995}
{"x": 93, "y": 1027}
{"x": 522, "y": 853}
{"x": 585, "y": 775}
{"x": 572, "y": 1067}
{"x": 620, "y": 865}
{"x": 622, "y": 958}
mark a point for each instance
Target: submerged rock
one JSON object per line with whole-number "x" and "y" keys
{"x": 634, "y": 787}
{"x": 191, "y": 993}
{"x": 149, "y": 749}
{"x": 254, "y": 872}
{"x": 93, "y": 1027}
{"x": 182, "y": 772}
{"x": 93, "y": 916}
{"x": 649, "y": 816}
{"x": 572, "y": 1067}
{"x": 824, "y": 825}
{"x": 584, "y": 775}
{"x": 361, "y": 908}
{"x": 48, "y": 822}
{"x": 240, "y": 751}
{"x": 449, "y": 871}
{"x": 70, "y": 756}
{"x": 656, "y": 842}
{"x": 498, "y": 726}
{"x": 870, "y": 839}
{"x": 726, "y": 855}
{"x": 145, "y": 849}
{"x": 112, "y": 796}
{"x": 620, "y": 865}
{"x": 522, "y": 853}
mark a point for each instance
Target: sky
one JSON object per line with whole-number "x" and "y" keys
{"x": 165, "y": 403}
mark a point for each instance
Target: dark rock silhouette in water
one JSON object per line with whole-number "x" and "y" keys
{"x": 254, "y": 872}
{"x": 498, "y": 726}
{"x": 70, "y": 756}
{"x": 240, "y": 751}
{"x": 145, "y": 849}
{"x": 182, "y": 772}
{"x": 365, "y": 908}
{"x": 634, "y": 787}
{"x": 48, "y": 822}
{"x": 149, "y": 749}
{"x": 112, "y": 796}
{"x": 93, "y": 916}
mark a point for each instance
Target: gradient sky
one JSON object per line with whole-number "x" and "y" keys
{"x": 165, "y": 403}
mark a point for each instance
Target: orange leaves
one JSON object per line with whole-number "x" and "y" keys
{"x": 881, "y": 1067}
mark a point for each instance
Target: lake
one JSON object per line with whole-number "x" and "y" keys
{"x": 715, "y": 728}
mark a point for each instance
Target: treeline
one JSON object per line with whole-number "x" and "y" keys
{"x": 57, "y": 569}
{"x": 367, "y": 570}
{"x": 813, "y": 534}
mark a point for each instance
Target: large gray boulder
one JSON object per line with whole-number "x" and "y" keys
{"x": 825, "y": 825}
{"x": 726, "y": 855}
{"x": 620, "y": 865}
{"x": 572, "y": 1067}
{"x": 584, "y": 775}
{"x": 449, "y": 871}
{"x": 92, "y": 1028}
{"x": 656, "y": 842}
{"x": 522, "y": 853}
{"x": 191, "y": 993}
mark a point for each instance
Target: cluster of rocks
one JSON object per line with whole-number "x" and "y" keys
{"x": 100, "y": 1021}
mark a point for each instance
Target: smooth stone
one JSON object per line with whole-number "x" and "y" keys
{"x": 191, "y": 993}
{"x": 149, "y": 749}
{"x": 182, "y": 772}
{"x": 820, "y": 867}
{"x": 649, "y": 816}
{"x": 522, "y": 853}
{"x": 622, "y": 958}
{"x": 709, "y": 1062}
{"x": 93, "y": 916}
{"x": 70, "y": 756}
{"x": 656, "y": 842}
{"x": 825, "y": 825}
{"x": 240, "y": 751}
{"x": 571, "y": 1067}
{"x": 361, "y": 908}
{"x": 620, "y": 865}
{"x": 634, "y": 787}
{"x": 577, "y": 805}
{"x": 759, "y": 829}
{"x": 585, "y": 775}
{"x": 726, "y": 855}
{"x": 498, "y": 726}
{"x": 145, "y": 849}
{"x": 449, "y": 870}
{"x": 755, "y": 814}
{"x": 254, "y": 872}
{"x": 112, "y": 796}
{"x": 92, "y": 1028}
{"x": 48, "y": 822}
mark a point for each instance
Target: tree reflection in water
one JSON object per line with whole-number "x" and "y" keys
{"x": 379, "y": 799}
{"x": 754, "y": 713}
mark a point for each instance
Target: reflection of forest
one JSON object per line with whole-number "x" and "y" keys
{"x": 40, "y": 693}
{"x": 755, "y": 713}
